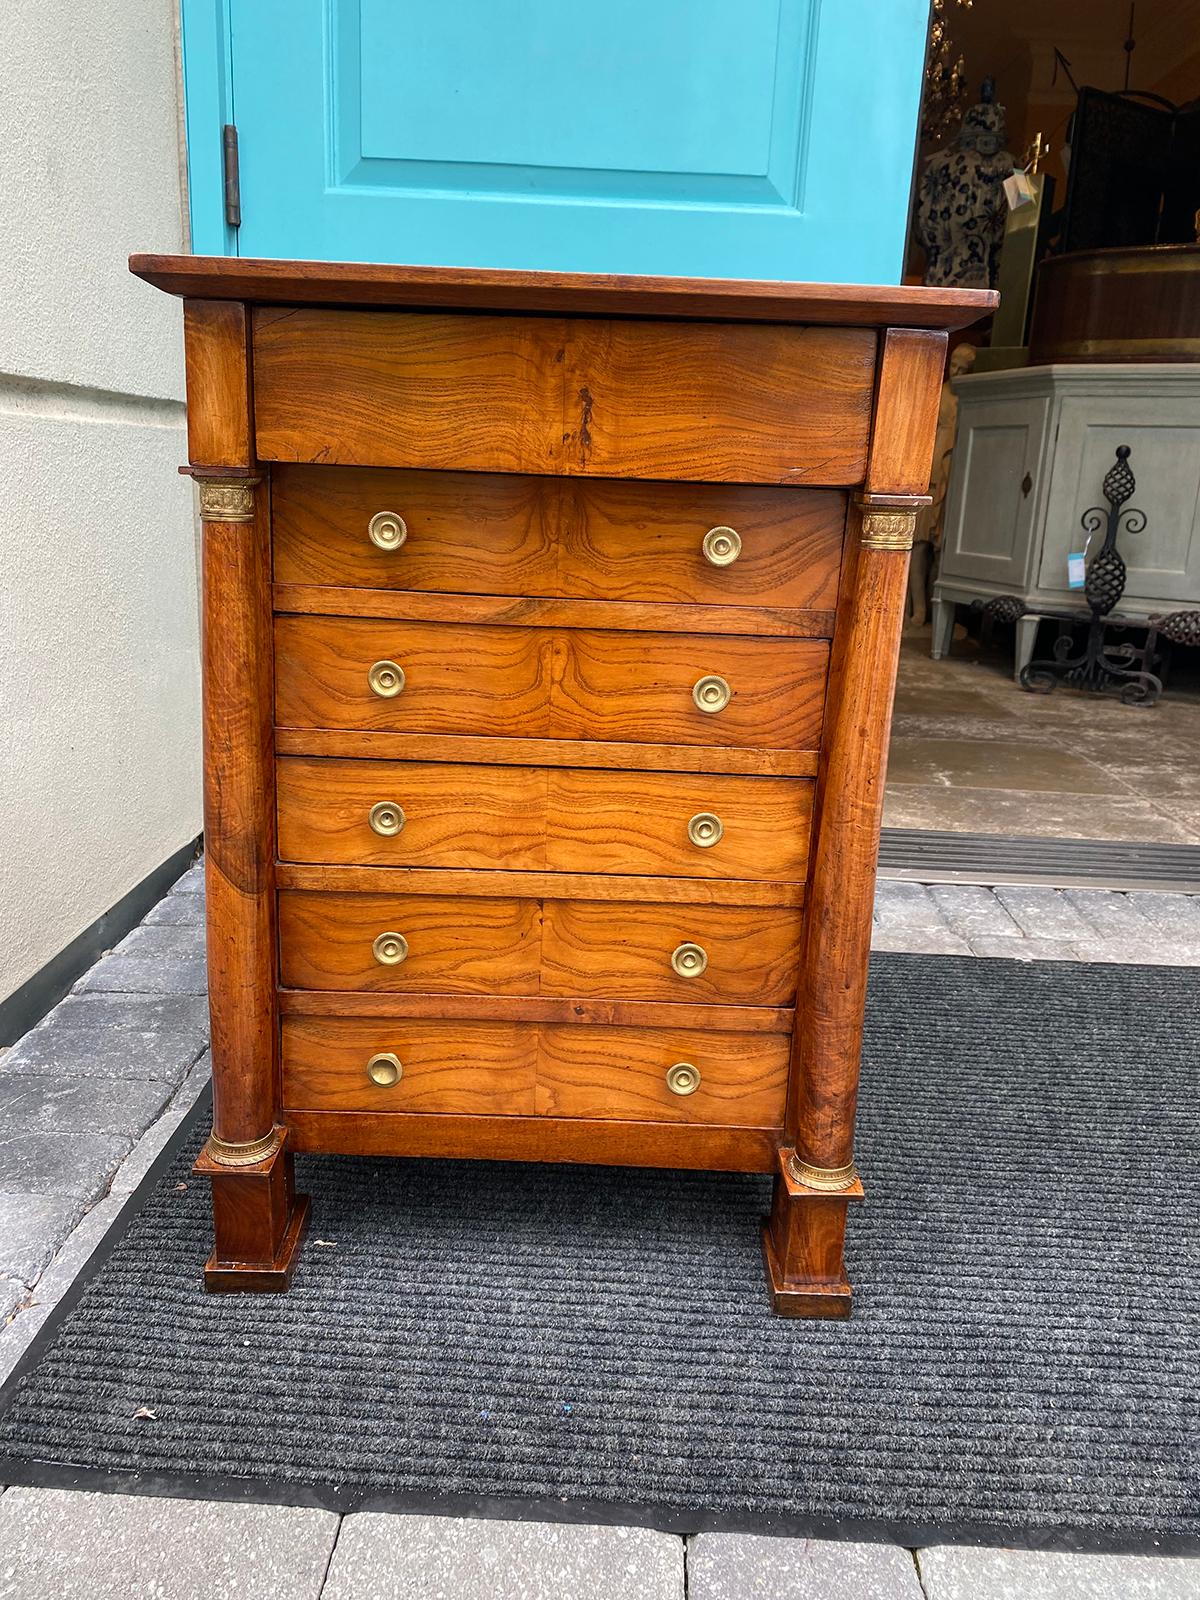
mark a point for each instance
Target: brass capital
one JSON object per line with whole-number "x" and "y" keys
{"x": 888, "y": 530}
{"x": 830, "y": 1179}
{"x": 226, "y": 499}
{"x": 227, "y": 1154}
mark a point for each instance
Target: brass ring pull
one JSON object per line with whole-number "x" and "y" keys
{"x": 386, "y": 818}
{"x": 385, "y": 1069}
{"x": 705, "y": 829}
{"x": 683, "y": 1078}
{"x": 722, "y": 546}
{"x": 387, "y": 530}
{"x": 711, "y": 693}
{"x": 689, "y": 960}
{"x": 386, "y": 679}
{"x": 390, "y": 949}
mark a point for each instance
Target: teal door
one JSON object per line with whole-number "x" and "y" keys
{"x": 722, "y": 138}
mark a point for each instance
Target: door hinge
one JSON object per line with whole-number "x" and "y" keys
{"x": 233, "y": 182}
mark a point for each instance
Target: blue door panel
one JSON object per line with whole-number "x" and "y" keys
{"x": 724, "y": 138}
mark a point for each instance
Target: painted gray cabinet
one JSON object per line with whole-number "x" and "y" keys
{"x": 1033, "y": 447}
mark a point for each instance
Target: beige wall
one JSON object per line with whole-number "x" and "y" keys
{"x": 99, "y": 693}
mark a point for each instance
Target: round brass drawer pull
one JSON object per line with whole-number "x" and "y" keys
{"x": 386, "y": 818}
{"x": 722, "y": 546}
{"x": 390, "y": 949}
{"x": 705, "y": 829}
{"x": 689, "y": 960}
{"x": 711, "y": 694}
{"x": 683, "y": 1078}
{"x": 385, "y": 1069}
{"x": 387, "y": 530}
{"x": 386, "y": 679}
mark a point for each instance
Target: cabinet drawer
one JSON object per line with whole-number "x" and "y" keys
{"x": 534, "y": 819}
{"x": 460, "y": 1068}
{"x": 730, "y": 955}
{"x": 703, "y": 401}
{"x": 740, "y": 1079}
{"x": 526, "y": 1069}
{"x": 495, "y": 534}
{"x": 548, "y": 683}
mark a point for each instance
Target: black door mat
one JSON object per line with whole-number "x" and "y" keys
{"x": 928, "y": 856}
{"x": 595, "y": 1344}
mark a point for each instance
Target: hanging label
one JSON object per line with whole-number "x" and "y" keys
{"x": 1076, "y": 570}
{"x": 1018, "y": 191}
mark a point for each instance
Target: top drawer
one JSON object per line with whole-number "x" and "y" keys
{"x": 716, "y": 401}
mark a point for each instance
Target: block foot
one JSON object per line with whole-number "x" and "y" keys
{"x": 802, "y": 1242}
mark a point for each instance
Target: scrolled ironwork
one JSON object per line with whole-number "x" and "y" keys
{"x": 1102, "y": 667}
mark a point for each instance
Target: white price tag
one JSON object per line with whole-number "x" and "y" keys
{"x": 1076, "y": 570}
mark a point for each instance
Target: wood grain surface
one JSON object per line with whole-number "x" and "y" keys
{"x": 391, "y": 880}
{"x": 712, "y": 402}
{"x": 542, "y": 820}
{"x": 582, "y": 684}
{"x": 545, "y": 752}
{"x": 575, "y": 1012}
{"x": 622, "y": 1072}
{"x": 506, "y": 611}
{"x": 583, "y": 1140}
{"x": 258, "y": 281}
{"x": 522, "y": 1069}
{"x": 526, "y": 947}
{"x": 468, "y": 1068}
{"x": 472, "y": 533}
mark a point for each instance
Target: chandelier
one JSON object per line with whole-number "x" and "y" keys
{"x": 945, "y": 75}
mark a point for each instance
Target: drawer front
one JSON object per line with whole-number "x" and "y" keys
{"x": 549, "y": 683}
{"x": 456, "y": 1068}
{"x": 494, "y": 534}
{"x": 526, "y": 1069}
{"x": 427, "y": 944}
{"x": 702, "y": 401}
{"x": 736, "y": 1079}
{"x": 730, "y": 955}
{"x": 533, "y": 819}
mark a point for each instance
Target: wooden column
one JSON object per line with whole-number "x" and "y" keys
{"x": 803, "y": 1237}
{"x": 258, "y": 1218}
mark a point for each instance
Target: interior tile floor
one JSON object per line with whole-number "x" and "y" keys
{"x": 972, "y": 752}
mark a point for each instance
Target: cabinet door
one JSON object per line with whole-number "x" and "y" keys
{"x": 993, "y": 491}
{"x": 771, "y": 138}
{"x": 1163, "y": 434}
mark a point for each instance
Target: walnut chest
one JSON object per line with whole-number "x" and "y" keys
{"x": 550, "y": 633}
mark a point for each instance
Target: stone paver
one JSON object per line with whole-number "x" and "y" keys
{"x": 12, "y": 1293}
{"x": 973, "y": 911}
{"x": 1112, "y": 915}
{"x": 966, "y": 1572}
{"x": 920, "y": 941}
{"x": 170, "y": 941}
{"x": 74, "y": 1164}
{"x": 137, "y": 974}
{"x": 448, "y": 1558}
{"x": 56, "y": 1544}
{"x": 106, "y": 1050}
{"x": 745, "y": 1566}
{"x": 1042, "y": 913}
{"x": 32, "y": 1227}
{"x": 1177, "y": 916}
{"x": 900, "y": 904}
{"x": 192, "y": 881}
{"x": 131, "y": 1013}
{"x": 46, "y": 1104}
{"x": 1026, "y": 949}
{"x": 150, "y": 1146}
{"x": 177, "y": 910}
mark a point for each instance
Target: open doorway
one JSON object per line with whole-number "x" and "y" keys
{"x": 1095, "y": 351}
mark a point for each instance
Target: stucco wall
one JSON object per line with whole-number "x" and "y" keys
{"x": 99, "y": 690}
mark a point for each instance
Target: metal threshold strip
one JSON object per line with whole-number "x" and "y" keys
{"x": 934, "y": 857}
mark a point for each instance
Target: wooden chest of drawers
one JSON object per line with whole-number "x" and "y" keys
{"x": 550, "y": 629}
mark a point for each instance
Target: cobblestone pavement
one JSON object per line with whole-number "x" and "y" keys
{"x": 91, "y": 1096}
